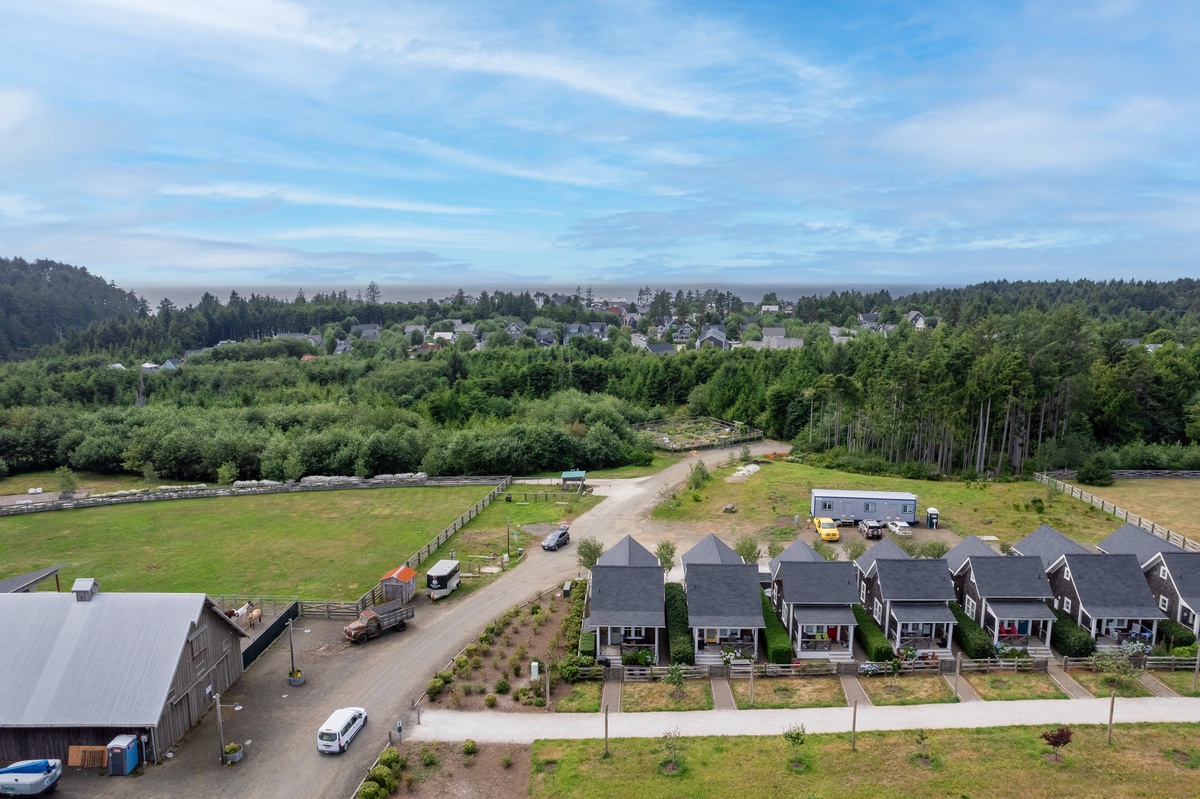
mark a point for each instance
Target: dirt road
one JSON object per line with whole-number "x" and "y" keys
{"x": 384, "y": 676}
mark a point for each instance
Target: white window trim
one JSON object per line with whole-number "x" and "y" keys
{"x": 969, "y": 606}
{"x": 862, "y": 591}
{"x": 1164, "y": 602}
{"x": 1066, "y": 604}
{"x": 1162, "y": 572}
{"x": 878, "y": 612}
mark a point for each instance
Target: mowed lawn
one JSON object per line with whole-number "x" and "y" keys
{"x": 318, "y": 544}
{"x": 1150, "y": 760}
{"x": 1005, "y": 510}
{"x": 1157, "y": 500}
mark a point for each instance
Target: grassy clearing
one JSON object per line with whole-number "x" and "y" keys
{"x": 644, "y": 697}
{"x": 1100, "y": 684}
{"x": 319, "y": 545}
{"x": 789, "y": 692}
{"x": 912, "y": 689}
{"x": 661, "y": 461}
{"x": 584, "y": 698}
{"x": 1156, "y": 499}
{"x": 1007, "y": 686}
{"x": 1005, "y": 510}
{"x": 996, "y": 762}
{"x": 96, "y": 483}
{"x": 1178, "y": 681}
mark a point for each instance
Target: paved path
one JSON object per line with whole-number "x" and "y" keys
{"x": 966, "y": 691}
{"x": 449, "y": 725}
{"x": 612, "y": 696}
{"x": 1155, "y": 687}
{"x": 722, "y": 694}
{"x": 1066, "y": 681}
{"x": 854, "y": 690}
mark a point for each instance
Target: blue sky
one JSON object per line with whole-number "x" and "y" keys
{"x": 277, "y": 143}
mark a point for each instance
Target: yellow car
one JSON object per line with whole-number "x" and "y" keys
{"x": 827, "y": 528}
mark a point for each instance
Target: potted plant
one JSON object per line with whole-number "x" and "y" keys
{"x": 295, "y": 677}
{"x": 233, "y": 753}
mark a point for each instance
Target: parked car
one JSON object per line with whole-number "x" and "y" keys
{"x": 871, "y": 528}
{"x": 827, "y": 528}
{"x": 556, "y": 539}
{"x": 340, "y": 728}
{"x": 899, "y": 528}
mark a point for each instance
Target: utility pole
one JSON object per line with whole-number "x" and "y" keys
{"x": 220, "y": 728}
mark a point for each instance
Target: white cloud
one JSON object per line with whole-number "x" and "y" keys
{"x": 16, "y": 108}
{"x": 251, "y": 191}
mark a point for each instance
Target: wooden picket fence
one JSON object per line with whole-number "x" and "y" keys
{"x": 329, "y": 610}
{"x": 1121, "y": 513}
{"x": 457, "y": 525}
{"x": 1153, "y": 663}
{"x": 1017, "y": 665}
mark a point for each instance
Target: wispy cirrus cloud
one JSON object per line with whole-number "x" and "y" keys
{"x": 299, "y": 196}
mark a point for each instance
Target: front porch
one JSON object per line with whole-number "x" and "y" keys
{"x": 1111, "y": 633}
{"x": 616, "y": 642}
{"x": 712, "y": 642}
{"x": 822, "y": 632}
{"x": 926, "y": 627}
{"x": 1020, "y": 625}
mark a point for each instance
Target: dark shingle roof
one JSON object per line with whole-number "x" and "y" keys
{"x": 886, "y": 549}
{"x": 724, "y": 596}
{"x": 627, "y": 596}
{"x": 1010, "y": 578}
{"x": 22, "y": 582}
{"x": 914, "y": 580}
{"x": 1049, "y": 545}
{"x": 796, "y": 551}
{"x": 1129, "y": 539}
{"x": 1112, "y": 586}
{"x": 970, "y": 547}
{"x": 819, "y": 582}
{"x": 628, "y": 552}
{"x": 711, "y": 549}
{"x": 1185, "y": 571}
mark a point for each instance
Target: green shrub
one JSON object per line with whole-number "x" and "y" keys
{"x": 1070, "y": 639}
{"x": 428, "y": 759}
{"x": 506, "y": 761}
{"x": 434, "y": 688}
{"x": 637, "y": 657}
{"x": 371, "y": 790}
{"x": 779, "y": 645}
{"x": 1097, "y": 470}
{"x": 446, "y": 676}
{"x": 587, "y": 645}
{"x": 469, "y": 747}
{"x": 974, "y": 641}
{"x": 391, "y": 758}
{"x": 384, "y": 778}
{"x": 1172, "y": 630}
{"x": 502, "y": 686}
{"x": 490, "y": 700}
{"x": 870, "y": 637}
{"x": 569, "y": 665}
{"x": 678, "y": 635}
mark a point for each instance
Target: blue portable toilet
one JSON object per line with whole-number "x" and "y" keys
{"x": 122, "y": 755}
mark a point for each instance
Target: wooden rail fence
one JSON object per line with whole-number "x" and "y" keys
{"x": 1121, "y": 513}
{"x": 457, "y": 525}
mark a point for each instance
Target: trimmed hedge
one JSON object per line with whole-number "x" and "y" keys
{"x": 587, "y": 645}
{"x": 1168, "y": 630}
{"x": 682, "y": 650}
{"x": 1069, "y": 639}
{"x": 970, "y": 637}
{"x": 779, "y": 646}
{"x": 870, "y": 637}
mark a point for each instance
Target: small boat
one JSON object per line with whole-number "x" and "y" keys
{"x": 30, "y": 777}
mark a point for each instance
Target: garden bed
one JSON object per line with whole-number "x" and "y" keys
{"x": 912, "y": 689}
{"x": 789, "y": 692}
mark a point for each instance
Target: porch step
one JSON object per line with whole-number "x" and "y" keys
{"x": 1038, "y": 652}
{"x": 705, "y": 658}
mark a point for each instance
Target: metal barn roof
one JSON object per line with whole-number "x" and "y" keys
{"x": 104, "y": 663}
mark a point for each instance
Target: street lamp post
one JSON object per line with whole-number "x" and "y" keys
{"x": 291, "y": 648}
{"x": 220, "y": 729}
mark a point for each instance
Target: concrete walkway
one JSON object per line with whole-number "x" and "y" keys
{"x": 490, "y": 727}
{"x": 854, "y": 690}
{"x": 612, "y": 696}
{"x": 1066, "y": 681}
{"x": 966, "y": 691}
{"x": 1154, "y": 686}
{"x": 722, "y": 694}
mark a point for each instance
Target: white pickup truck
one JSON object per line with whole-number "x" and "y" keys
{"x": 30, "y": 777}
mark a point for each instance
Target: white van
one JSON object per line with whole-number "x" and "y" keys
{"x": 340, "y": 728}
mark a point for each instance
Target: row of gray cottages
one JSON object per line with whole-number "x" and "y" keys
{"x": 1122, "y": 590}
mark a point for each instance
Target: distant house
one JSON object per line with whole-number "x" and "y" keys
{"x": 149, "y": 367}
{"x": 770, "y": 309}
{"x": 343, "y": 347}
{"x": 1107, "y": 595}
{"x": 598, "y": 330}
{"x": 1174, "y": 581}
{"x": 172, "y": 363}
{"x": 1048, "y": 544}
{"x": 515, "y": 329}
{"x": 773, "y": 332}
{"x": 410, "y": 329}
{"x": 1129, "y": 539}
{"x": 712, "y": 336}
{"x": 662, "y": 348}
{"x": 116, "y": 366}
{"x": 445, "y": 336}
{"x": 1007, "y": 597}
{"x": 916, "y": 319}
{"x": 570, "y": 331}
{"x": 464, "y": 327}
{"x": 869, "y": 320}
{"x": 683, "y": 333}
{"x": 815, "y": 600}
{"x": 626, "y": 601}
{"x": 776, "y": 343}
{"x": 92, "y": 665}
{"x": 544, "y": 337}
{"x": 368, "y": 332}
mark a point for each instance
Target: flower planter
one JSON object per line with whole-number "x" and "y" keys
{"x": 235, "y": 757}
{"x": 294, "y": 681}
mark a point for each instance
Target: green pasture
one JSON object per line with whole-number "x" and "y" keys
{"x": 1005, "y": 510}
{"x": 662, "y": 460}
{"x": 318, "y": 544}
{"x": 97, "y": 483}
{"x": 1144, "y": 760}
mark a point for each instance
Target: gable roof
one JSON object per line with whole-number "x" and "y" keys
{"x": 1048, "y": 544}
{"x": 1185, "y": 572}
{"x": 886, "y": 549}
{"x": 662, "y": 348}
{"x": 23, "y": 582}
{"x": 773, "y": 332}
{"x": 723, "y": 595}
{"x": 109, "y": 662}
{"x": 819, "y": 582}
{"x": 796, "y": 551}
{"x": 627, "y": 596}
{"x": 628, "y": 552}
{"x": 1112, "y": 586}
{"x": 1010, "y": 578}
{"x": 711, "y": 549}
{"x": 922, "y": 580}
{"x": 1129, "y": 539}
{"x": 970, "y": 547}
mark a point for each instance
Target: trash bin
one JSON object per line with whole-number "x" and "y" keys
{"x": 931, "y": 518}
{"x": 566, "y": 589}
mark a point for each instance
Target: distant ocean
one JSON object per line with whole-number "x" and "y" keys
{"x": 407, "y": 292}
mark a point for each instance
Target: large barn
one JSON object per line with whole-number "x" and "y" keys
{"x": 82, "y": 667}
